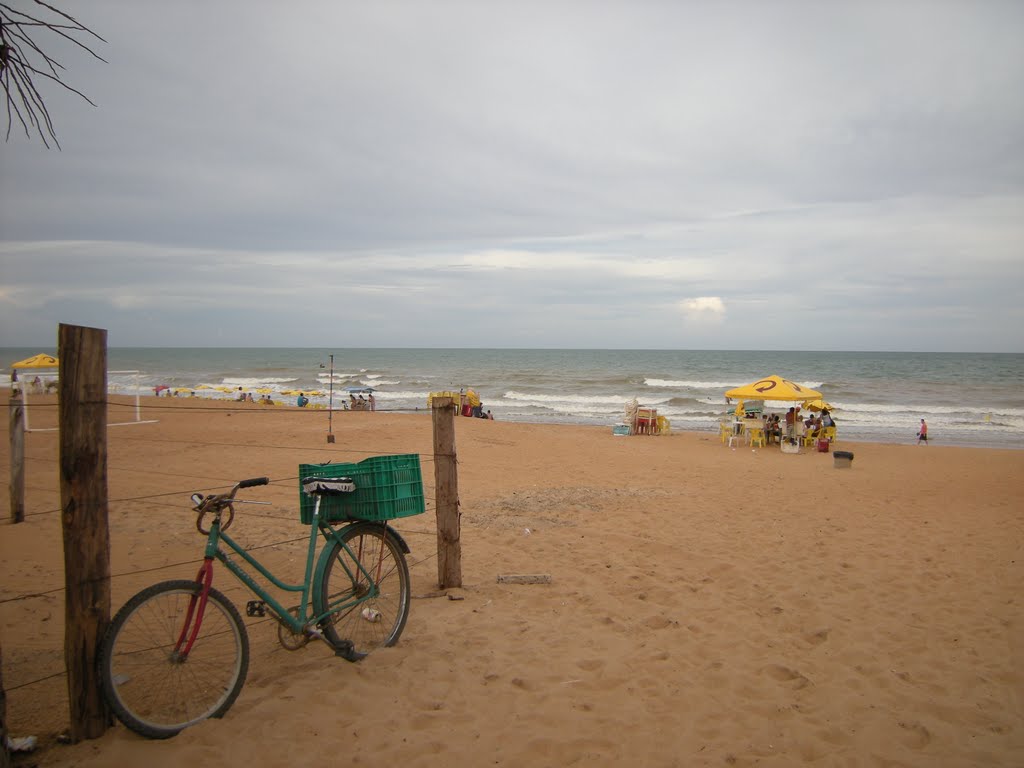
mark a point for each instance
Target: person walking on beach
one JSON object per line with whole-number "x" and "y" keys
{"x": 922, "y": 435}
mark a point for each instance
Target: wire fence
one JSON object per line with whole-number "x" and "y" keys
{"x": 225, "y": 405}
{"x": 141, "y": 445}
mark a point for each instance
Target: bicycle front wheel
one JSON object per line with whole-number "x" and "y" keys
{"x": 370, "y": 559}
{"x": 150, "y": 687}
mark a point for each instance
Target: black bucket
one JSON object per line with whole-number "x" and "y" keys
{"x": 842, "y": 459}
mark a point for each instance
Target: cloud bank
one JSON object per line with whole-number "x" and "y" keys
{"x": 822, "y": 176}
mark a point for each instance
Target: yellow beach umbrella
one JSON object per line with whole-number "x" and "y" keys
{"x": 774, "y": 388}
{"x": 818, "y": 405}
{"x": 38, "y": 361}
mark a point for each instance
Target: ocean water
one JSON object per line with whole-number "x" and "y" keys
{"x": 967, "y": 399}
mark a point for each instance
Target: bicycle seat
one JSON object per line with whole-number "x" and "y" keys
{"x": 327, "y": 486}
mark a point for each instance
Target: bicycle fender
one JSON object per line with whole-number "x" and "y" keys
{"x": 398, "y": 539}
{"x": 389, "y": 532}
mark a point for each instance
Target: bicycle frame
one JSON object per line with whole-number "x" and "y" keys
{"x": 302, "y": 622}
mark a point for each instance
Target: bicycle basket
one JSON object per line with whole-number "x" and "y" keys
{"x": 386, "y": 487}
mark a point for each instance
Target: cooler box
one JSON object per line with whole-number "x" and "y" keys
{"x": 620, "y": 429}
{"x": 842, "y": 459}
{"x": 788, "y": 447}
{"x": 823, "y": 445}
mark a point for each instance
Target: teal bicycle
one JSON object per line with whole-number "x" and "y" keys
{"x": 177, "y": 652}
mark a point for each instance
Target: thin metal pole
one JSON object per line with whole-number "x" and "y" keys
{"x": 330, "y": 406}
{"x": 138, "y": 405}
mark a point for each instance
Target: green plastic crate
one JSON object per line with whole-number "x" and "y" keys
{"x": 386, "y": 487}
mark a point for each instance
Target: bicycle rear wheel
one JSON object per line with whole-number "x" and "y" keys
{"x": 151, "y": 689}
{"x": 375, "y": 621}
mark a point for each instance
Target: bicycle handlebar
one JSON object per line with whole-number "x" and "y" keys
{"x": 218, "y": 503}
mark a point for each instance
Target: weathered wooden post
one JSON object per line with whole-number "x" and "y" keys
{"x": 83, "y": 496}
{"x": 446, "y": 481}
{"x": 17, "y": 440}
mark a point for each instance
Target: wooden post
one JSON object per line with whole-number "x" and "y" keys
{"x": 83, "y": 496}
{"x": 446, "y": 482}
{"x": 17, "y": 490}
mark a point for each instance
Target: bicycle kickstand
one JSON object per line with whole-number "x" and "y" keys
{"x": 345, "y": 649}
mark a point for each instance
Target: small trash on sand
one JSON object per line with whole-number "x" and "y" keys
{"x": 21, "y": 743}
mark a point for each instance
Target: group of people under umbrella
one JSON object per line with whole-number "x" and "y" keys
{"x": 778, "y": 389}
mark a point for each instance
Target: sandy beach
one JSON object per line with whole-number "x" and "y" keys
{"x": 708, "y": 606}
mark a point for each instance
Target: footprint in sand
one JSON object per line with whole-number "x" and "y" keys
{"x": 786, "y": 675}
{"x": 657, "y": 622}
{"x": 915, "y": 735}
{"x": 819, "y": 637}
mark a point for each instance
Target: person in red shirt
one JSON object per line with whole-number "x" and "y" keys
{"x": 922, "y": 436}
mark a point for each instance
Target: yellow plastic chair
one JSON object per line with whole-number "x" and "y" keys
{"x": 724, "y": 431}
{"x": 830, "y": 434}
{"x": 809, "y": 438}
{"x": 756, "y": 436}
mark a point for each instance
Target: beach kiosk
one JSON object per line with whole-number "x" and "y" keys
{"x": 772, "y": 388}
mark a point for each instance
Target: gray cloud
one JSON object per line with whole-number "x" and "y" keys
{"x": 844, "y": 176}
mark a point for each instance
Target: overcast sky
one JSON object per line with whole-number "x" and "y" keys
{"x": 712, "y": 175}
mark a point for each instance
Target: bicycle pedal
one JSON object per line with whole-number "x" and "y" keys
{"x": 255, "y": 608}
